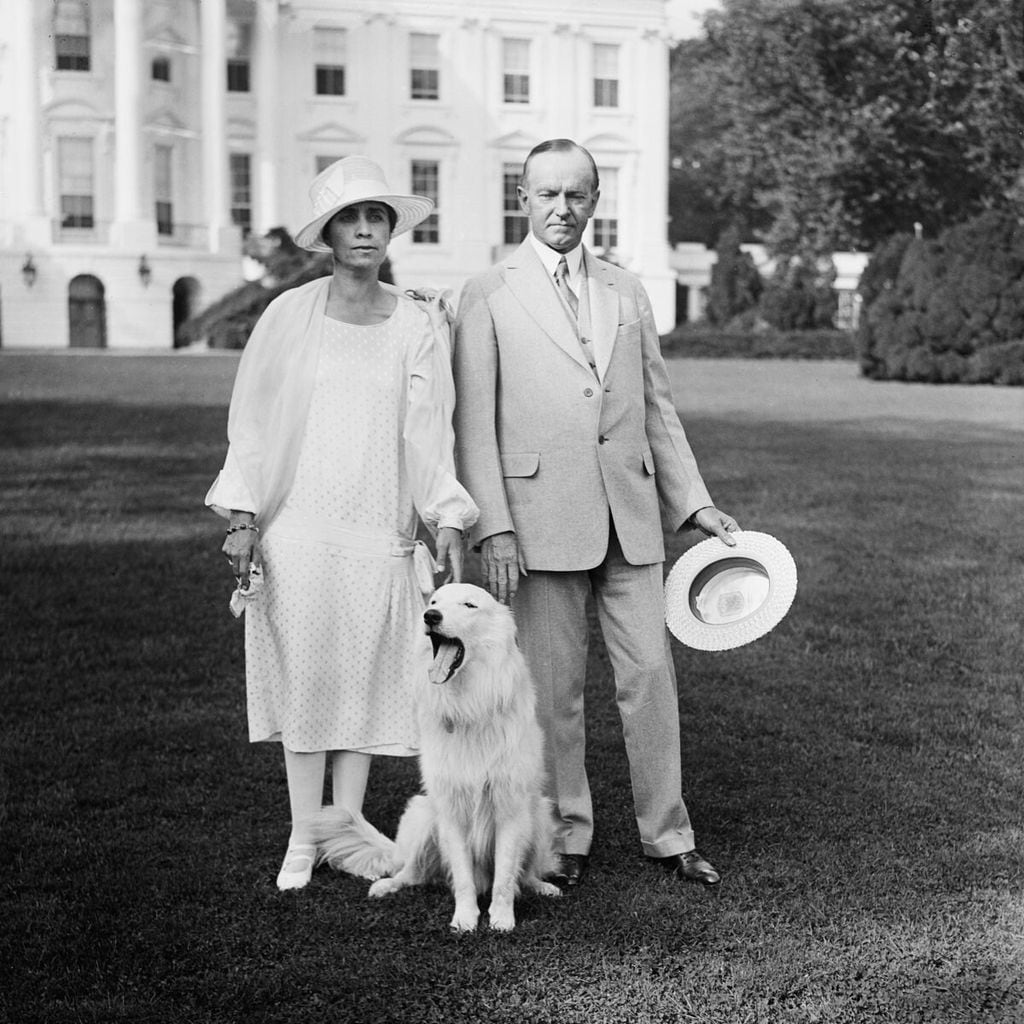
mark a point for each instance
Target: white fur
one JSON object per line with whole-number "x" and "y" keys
{"x": 481, "y": 822}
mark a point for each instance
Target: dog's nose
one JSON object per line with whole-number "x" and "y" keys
{"x": 432, "y": 616}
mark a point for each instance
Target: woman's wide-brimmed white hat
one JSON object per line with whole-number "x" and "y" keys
{"x": 356, "y": 179}
{"x": 718, "y": 597}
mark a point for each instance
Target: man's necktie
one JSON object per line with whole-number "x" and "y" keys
{"x": 562, "y": 279}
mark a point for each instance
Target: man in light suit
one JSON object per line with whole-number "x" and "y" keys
{"x": 569, "y": 442}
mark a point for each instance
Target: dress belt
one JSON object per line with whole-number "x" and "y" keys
{"x": 291, "y": 524}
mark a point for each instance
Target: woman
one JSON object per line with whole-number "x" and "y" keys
{"x": 339, "y": 434}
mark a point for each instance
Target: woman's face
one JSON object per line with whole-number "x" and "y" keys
{"x": 359, "y": 234}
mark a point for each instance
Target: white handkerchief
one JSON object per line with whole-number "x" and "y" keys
{"x": 244, "y": 594}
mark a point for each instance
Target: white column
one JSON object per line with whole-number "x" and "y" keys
{"x": 23, "y": 204}
{"x": 213, "y": 77}
{"x": 131, "y": 229}
{"x": 267, "y": 102}
{"x": 651, "y": 79}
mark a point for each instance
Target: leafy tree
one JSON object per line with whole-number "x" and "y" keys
{"x": 846, "y": 121}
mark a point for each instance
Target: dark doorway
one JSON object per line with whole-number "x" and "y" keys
{"x": 184, "y": 305}
{"x": 87, "y": 312}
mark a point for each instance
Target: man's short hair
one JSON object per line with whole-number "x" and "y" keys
{"x": 559, "y": 146}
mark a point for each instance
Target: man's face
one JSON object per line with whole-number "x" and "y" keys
{"x": 559, "y": 197}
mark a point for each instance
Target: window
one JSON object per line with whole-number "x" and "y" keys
{"x": 425, "y": 182}
{"x": 162, "y": 190}
{"x": 424, "y": 67}
{"x": 240, "y": 166}
{"x": 323, "y": 162}
{"x": 516, "y": 223}
{"x": 71, "y": 38}
{"x": 606, "y": 222}
{"x": 75, "y": 176}
{"x": 515, "y": 63}
{"x": 160, "y": 69}
{"x": 239, "y": 51}
{"x": 329, "y": 52}
{"x": 606, "y": 75}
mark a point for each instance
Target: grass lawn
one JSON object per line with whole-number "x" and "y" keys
{"x": 857, "y": 775}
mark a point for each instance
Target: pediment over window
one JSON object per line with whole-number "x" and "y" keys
{"x": 609, "y": 142}
{"x": 74, "y": 110}
{"x": 518, "y": 141}
{"x": 426, "y": 135}
{"x": 334, "y": 133}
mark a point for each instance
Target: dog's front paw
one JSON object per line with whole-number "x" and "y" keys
{"x": 502, "y": 919}
{"x": 384, "y": 887}
{"x": 465, "y": 920}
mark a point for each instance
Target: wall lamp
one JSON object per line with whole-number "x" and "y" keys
{"x": 28, "y": 271}
{"x": 145, "y": 271}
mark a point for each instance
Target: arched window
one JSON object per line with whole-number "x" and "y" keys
{"x": 87, "y": 312}
{"x": 71, "y": 35}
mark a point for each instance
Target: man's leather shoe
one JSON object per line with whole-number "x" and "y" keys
{"x": 690, "y": 867}
{"x": 570, "y": 870}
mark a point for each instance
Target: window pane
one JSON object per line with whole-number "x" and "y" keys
{"x": 330, "y": 80}
{"x": 606, "y": 224}
{"x": 426, "y": 175}
{"x": 515, "y": 222}
{"x": 606, "y": 60}
{"x": 164, "y": 218}
{"x": 162, "y": 172}
{"x": 71, "y": 53}
{"x": 425, "y": 84}
{"x": 71, "y": 17}
{"x": 423, "y": 50}
{"x": 238, "y": 76}
{"x": 606, "y": 92}
{"x": 516, "y": 69}
{"x": 241, "y": 191}
{"x": 329, "y": 45}
{"x": 161, "y": 69}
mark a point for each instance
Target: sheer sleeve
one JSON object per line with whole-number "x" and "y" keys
{"x": 428, "y": 436}
{"x": 230, "y": 491}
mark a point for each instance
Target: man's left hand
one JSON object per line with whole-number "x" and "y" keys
{"x": 715, "y": 523}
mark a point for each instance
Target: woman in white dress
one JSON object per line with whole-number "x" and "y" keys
{"x": 339, "y": 435}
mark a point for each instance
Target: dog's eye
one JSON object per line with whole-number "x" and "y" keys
{"x": 469, "y": 604}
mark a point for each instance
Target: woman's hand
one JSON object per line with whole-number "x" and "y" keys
{"x": 449, "y": 553}
{"x": 241, "y": 545}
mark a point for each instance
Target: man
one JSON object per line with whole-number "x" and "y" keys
{"x": 568, "y": 440}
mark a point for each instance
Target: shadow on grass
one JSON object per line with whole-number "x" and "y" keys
{"x": 855, "y": 774}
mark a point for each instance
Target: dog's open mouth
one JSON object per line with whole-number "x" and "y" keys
{"x": 449, "y": 653}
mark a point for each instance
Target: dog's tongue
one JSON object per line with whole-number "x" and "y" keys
{"x": 444, "y": 663}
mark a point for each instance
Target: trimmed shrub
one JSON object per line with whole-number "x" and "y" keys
{"x": 736, "y": 284}
{"x": 948, "y": 310}
{"x": 800, "y": 296}
{"x": 701, "y": 341}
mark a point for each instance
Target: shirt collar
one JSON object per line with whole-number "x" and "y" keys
{"x": 550, "y": 258}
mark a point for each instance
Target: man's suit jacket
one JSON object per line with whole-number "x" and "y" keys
{"x": 545, "y": 448}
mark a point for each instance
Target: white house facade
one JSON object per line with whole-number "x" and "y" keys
{"x": 141, "y": 140}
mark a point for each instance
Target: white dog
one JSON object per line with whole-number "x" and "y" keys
{"x": 481, "y": 822}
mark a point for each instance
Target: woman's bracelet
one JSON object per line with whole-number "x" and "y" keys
{"x": 242, "y": 526}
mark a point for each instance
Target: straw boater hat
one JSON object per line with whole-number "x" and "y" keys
{"x": 356, "y": 179}
{"x": 718, "y": 597}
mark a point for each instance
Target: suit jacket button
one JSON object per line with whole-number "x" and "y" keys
{"x": 588, "y": 392}
{"x": 602, "y": 439}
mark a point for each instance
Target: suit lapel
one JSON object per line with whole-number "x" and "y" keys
{"x": 528, "y": 281}
{"x": 604, "y": 301}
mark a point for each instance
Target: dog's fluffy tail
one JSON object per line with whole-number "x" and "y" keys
{"x": 348, "y": 842}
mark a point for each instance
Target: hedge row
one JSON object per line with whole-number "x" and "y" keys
{"x": 701, "y": 341}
